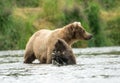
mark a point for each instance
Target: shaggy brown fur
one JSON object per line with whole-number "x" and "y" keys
{"x": 41, "y": 44}
{"x": 63, "y": 54}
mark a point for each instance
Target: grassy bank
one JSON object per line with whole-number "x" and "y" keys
{"x": 19, "y": 19}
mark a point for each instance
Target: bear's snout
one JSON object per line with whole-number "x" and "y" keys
{"x": 88, "y": 36}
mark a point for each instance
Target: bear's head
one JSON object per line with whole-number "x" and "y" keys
{"x": 77, "y": 31}
{"x": 63, "y": 54}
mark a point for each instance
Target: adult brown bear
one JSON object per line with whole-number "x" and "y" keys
{"x": 40, "y": 46}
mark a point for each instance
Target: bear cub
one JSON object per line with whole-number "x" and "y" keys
{"x": 63, "y": 54}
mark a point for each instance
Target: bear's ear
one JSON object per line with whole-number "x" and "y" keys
{"x": 60, "y": 45}
{"x": 76, "y": 24}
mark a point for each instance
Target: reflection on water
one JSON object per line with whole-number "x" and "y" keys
{"x": 94, "y": 65}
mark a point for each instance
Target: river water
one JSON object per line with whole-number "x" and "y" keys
{"x": 94, "y": 65}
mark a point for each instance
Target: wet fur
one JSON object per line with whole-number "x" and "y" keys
{"x": 63, "y": 54}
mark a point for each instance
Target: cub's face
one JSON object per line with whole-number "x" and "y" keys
{"x": 62, "y": 54}
{"x": 78, "y": 32}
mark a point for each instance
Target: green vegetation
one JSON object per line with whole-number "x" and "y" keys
{"x": 96, "y": 27}
{"x": 14, "y": 32}
{"x": 19, "y": 19}
{"x": 27, "y": 3}
{"x": 114, "y": 31}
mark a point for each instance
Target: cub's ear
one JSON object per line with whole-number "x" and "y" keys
{"x": 60, "y": 45}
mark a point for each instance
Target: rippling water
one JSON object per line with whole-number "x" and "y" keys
{"x": 94, "y": 65}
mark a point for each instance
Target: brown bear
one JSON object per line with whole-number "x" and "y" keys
{"x": 40, "y": 46}
{"x": 63, "y": 54}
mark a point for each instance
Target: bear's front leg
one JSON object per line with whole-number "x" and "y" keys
{"x": 29, "y": 57}
{"x": 49, "y": 56}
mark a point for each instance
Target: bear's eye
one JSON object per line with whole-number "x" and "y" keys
{"x": 83, "y": 31}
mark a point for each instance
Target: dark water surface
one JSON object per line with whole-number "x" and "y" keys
{"x": 94, "y": 65}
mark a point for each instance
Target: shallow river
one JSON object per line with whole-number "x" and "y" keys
{"x": 94, "y": 65}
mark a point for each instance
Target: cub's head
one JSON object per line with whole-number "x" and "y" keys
{"x": 76, "y": 31}
{"x": 62, "y": 54}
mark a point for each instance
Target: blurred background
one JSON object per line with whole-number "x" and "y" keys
{"x": 19, "y": 19}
